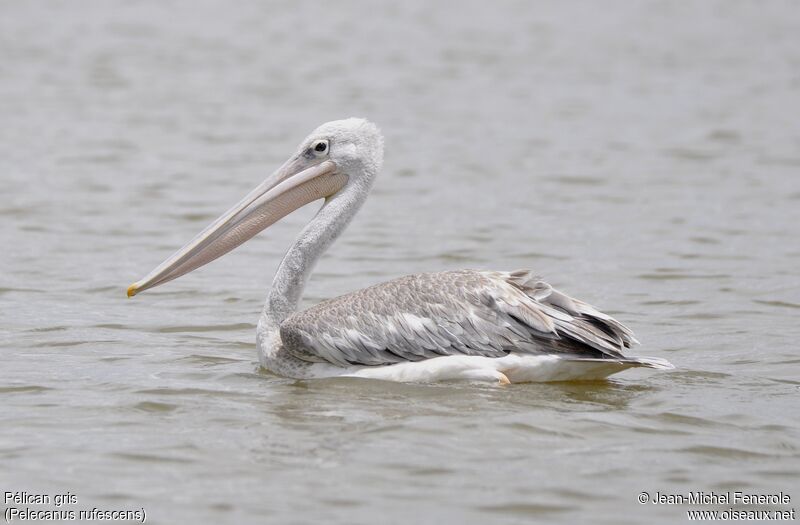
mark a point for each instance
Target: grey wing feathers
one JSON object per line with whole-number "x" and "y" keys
{"x": 465, "y": 312}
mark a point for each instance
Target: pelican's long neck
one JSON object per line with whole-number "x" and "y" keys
{"x": 298, "y": 263}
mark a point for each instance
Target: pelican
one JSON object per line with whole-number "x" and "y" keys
{"x": 473, "y": 325}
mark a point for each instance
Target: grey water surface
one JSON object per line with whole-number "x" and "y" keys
{"x": 643, "y": 156}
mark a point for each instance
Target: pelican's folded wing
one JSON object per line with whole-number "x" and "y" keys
{"x": 465, "y": 312}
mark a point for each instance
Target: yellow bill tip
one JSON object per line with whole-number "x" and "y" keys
{"x": 132, "y": 289}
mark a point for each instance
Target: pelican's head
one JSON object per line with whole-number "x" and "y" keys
{"x": 355, "y": 145}
{"x": 336, "y": 155}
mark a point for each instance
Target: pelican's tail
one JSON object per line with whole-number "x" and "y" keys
{"x": 650, "y": 362}
{"x": 522, "y": 368}
{"x": 626, "y": 362}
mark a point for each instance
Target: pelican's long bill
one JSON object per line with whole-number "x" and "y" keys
{"x": 294, "y": 185}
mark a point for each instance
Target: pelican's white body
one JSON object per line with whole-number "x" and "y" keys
{"x": 513, "y": 368}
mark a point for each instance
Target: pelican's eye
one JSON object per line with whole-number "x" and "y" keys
{"x": 320, "y": 147}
